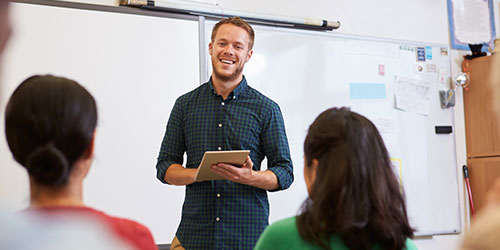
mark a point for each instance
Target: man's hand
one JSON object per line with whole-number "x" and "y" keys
{"x": 241, "y": 174}
{"x": 246, "y": 175}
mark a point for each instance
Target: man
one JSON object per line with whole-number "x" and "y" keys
{"x": 225, "y": 114}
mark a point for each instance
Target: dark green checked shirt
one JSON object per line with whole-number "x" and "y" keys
{"x": 225, "y": 214}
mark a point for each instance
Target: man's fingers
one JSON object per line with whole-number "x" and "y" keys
{"x": 248, "y": 163}
{"x": 224, "y": 170}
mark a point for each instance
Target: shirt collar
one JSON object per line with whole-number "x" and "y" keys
{"x": 242, "y": 86}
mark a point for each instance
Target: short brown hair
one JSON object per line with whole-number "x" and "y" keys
{"x": 237, "y": 21}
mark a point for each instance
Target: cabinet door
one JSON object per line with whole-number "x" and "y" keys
{"x": 482, "y": 128}
{"x": 482, "y": 174}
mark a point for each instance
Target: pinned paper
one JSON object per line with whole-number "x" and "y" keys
{"x": 442, "y": 76}
{"x": 444, "y": 51}
{"x": 431, "y": 68}
{"x": 381, "y": 70}
{"x": 420, "y": 54}
{"x": 428, "y": 53}
{"x": 367, "y": 90}
{"x": 406, "y": 47}
{"x": 412, "y": 95}
{"x": 384, "y": 125}
{"x": 397, "y": 164}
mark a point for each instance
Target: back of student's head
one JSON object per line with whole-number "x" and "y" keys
{"x": 355, "y": 194}
{"x": 49, "y": 124}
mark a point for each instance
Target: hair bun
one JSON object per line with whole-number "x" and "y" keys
{"x": 48, "y": 166}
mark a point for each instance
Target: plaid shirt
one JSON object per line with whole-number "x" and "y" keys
{"x": 225, "y": 214}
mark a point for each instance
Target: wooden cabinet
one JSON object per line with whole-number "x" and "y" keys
{"x": 482, "y": 173}
{"x": 482, "y": 128}
{"x": 481, "y": 123}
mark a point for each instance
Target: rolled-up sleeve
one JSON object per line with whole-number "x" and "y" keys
{"x": 275, "y": 144}
{"x": 173, "y": 146}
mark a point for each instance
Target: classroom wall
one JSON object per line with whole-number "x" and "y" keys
{"x": 411, "y": 20}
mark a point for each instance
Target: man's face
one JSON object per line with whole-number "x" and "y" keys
{"x": 229, "y": 51}
{"x": 5, "y": 29}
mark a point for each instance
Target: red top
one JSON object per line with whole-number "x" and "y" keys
{"x": 130, "y": 231}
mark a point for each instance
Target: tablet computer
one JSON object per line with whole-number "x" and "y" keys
{"x": 233, "y": 157}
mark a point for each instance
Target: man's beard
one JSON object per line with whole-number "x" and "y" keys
{"x": 223, "y": 77}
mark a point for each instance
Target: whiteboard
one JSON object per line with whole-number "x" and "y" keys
{"x": 308, "y": 72}
{"x": 135, "y": 66}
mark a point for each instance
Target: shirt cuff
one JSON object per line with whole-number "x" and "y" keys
{"x": 284, "y": 176}
{"x": 161, "y": 169}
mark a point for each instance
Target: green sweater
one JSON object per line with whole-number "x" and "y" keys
{"x": 285, "y": 235}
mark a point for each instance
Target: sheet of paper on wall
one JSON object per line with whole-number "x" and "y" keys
{"x": 412, "y": 95}
{"x": 367, "y": 91}
{"x": 397, "y": 168}
{"x": 384, "y": 125}
{"x": 428, "y": 53}
{"x": 431, "y": 68}
{"x": 420, "y": 54}
{"x": 471, "y": 22}
{"x": 442, "y": 76}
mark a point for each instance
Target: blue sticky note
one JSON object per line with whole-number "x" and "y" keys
{"x": 428, "y": 53}
{"x": 367, "y": 90}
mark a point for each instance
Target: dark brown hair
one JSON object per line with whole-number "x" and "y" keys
{"x": 49, "y": 124}
{"x": 356, "y": 194}
{"x": 237, "y": 22}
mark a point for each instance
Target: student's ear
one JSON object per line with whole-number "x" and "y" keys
{"x": 210, "y": 48}
{"x": 89, "y": 153}
{"x": 82, "y": 166}
{"x": 310, "y": 174}
{"x": 314, "y": 168}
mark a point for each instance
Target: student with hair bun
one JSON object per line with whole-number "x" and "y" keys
{"x": 50, "y": 126}
{"x": 355, "y": 201}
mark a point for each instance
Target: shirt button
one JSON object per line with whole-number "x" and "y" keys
{"x": 220, "y": 125}
{"x": 217, "y": 219}
{"x": 223, "y": 104}
{"x": 219, "y": 148}
{"x": 218, "y": 195}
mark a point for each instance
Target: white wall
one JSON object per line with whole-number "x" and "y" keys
{"x": 412, "y": 20}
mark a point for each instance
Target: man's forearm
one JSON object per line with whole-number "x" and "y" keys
{"x": 264, "y": 179}
{"x": 178, "y": 175}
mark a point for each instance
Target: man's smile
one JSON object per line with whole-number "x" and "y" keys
{"x": 225, "y": 61}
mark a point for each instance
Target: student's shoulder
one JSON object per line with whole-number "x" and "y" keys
{"x": 130, "y": 230}
{"x": 282, "y": 234}
{"x": 134, "y": 231}
{"x": 131, "y": 225}
{"x": 410, "y": 245}
{"x": 287, "y": 225}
